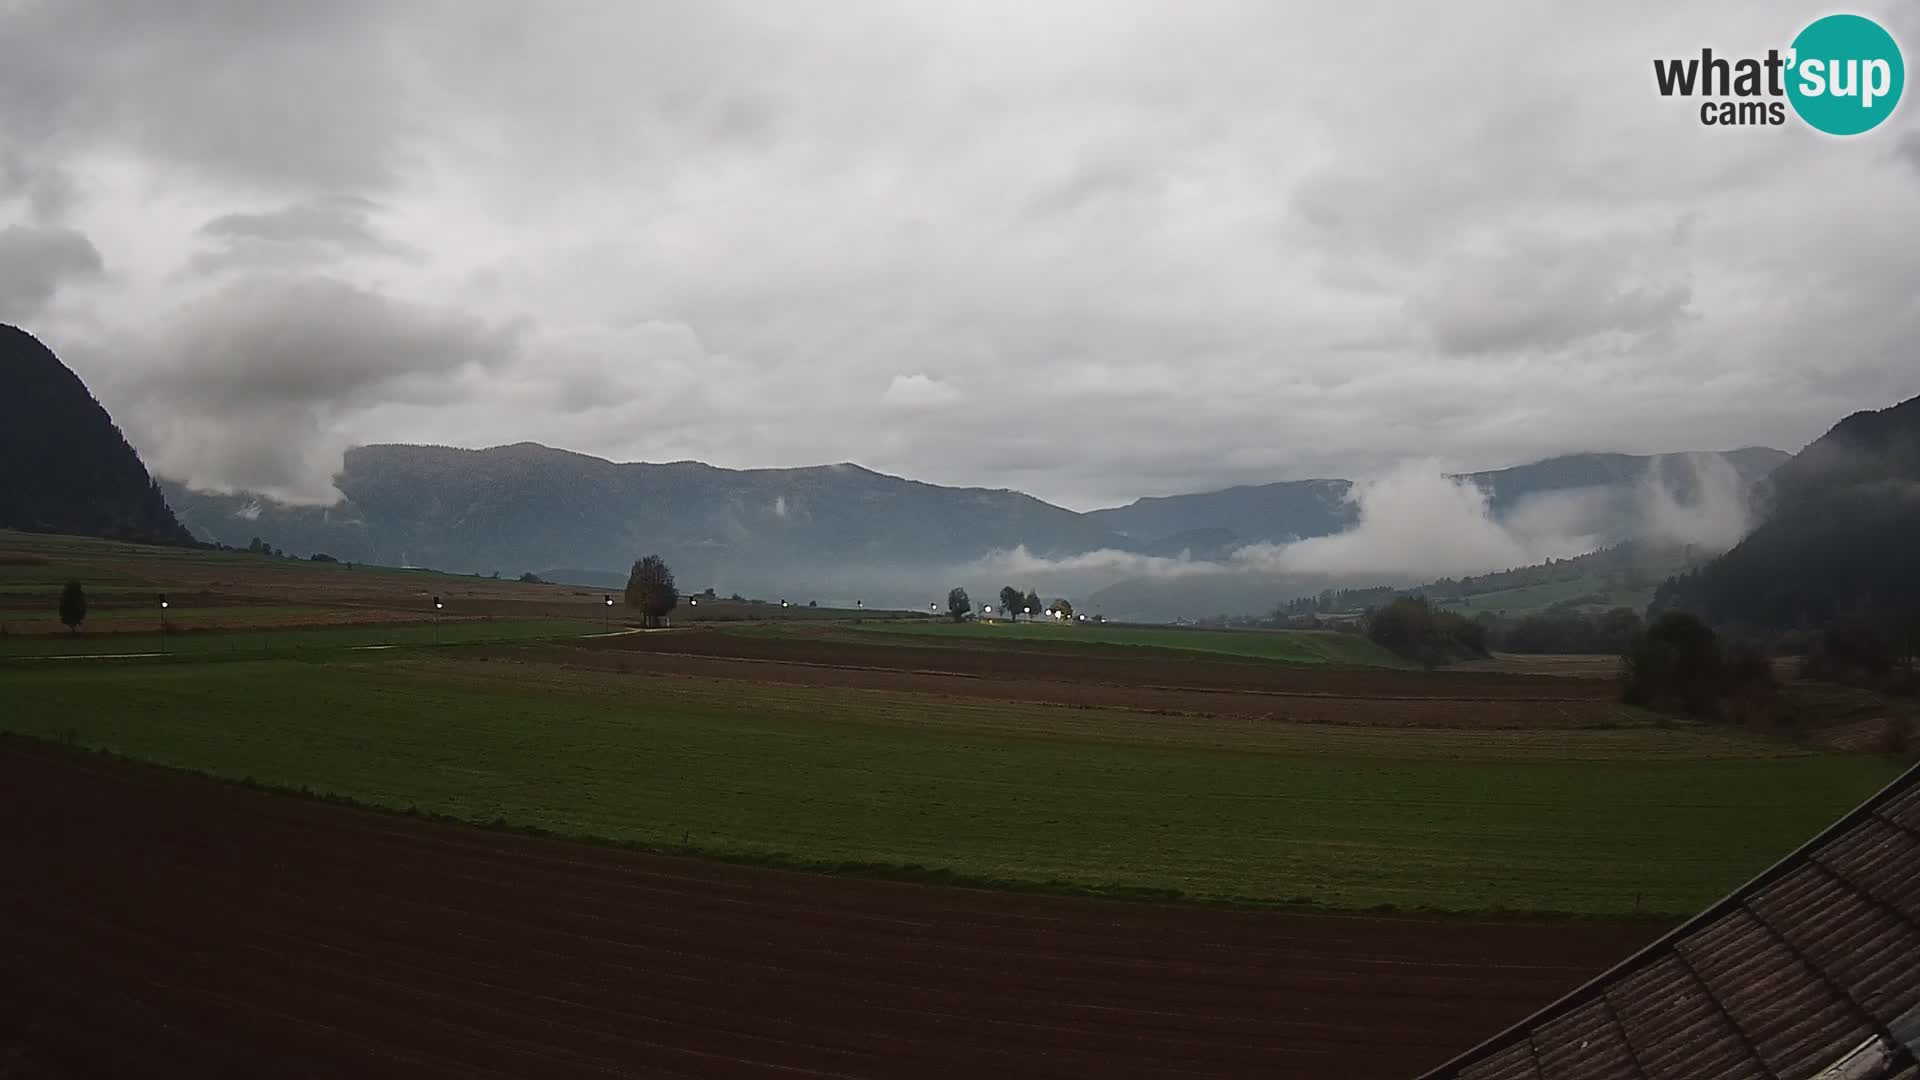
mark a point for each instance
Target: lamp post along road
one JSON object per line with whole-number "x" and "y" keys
{"x": 437, "y": 605}
{"x": 163, "y": 624}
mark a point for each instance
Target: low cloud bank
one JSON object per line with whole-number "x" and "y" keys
{"x": 1416, "y": 523}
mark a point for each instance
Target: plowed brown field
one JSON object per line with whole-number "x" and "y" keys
{"x": 1117, "y": 665}
{"x": 1151, "y": 683}
{"x": 154, "y": 923}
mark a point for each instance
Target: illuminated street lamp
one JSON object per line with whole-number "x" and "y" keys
{"x": 437, "y": 605}
{"x": 163, "y": 624}
{"x": 606, "y": 620}
{"x": 694, "y": 601}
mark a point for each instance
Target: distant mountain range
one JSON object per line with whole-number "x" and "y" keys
{"x": 836, "y": 531}
{"x": 1211, "y": 524}
{"x": 831, "y": 532}
{"x": 64, "y": 466}
{"x": 529, "y": 507}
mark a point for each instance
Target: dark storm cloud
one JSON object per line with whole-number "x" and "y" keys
{"x": 1089, "y": 249}
{"x": 35, "y": 262}
{"x": 247, "y": 387}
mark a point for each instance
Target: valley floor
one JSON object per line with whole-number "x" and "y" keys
{"x": 160, "y": 923}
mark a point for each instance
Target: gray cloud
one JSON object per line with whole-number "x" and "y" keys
{"x": 1544, "y": 293}
{"x": 35, "y": 262}
{"x": 249, "y": 388}
{"x": 1908, "y": 149}
{"x": 46, "y": 190}
{"x": 1131, "y": 248}
{"x": 314, "y": 232}
{"x": 306, "y": 95}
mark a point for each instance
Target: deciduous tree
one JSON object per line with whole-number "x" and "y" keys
{"x": 650, "y": 589}
{"x": 73, "y": 606}
{"x": 1010, "y": 602}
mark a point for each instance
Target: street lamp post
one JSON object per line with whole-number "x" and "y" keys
{"x": 606, "y": 619}
{"x": 163, "y": 624}
{"x": 437, "y": 605}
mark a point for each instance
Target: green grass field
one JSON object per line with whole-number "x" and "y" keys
{"x": 1537, "y": 598}
{"x": 287, "y": 640}
{"x": 1288, "y": 646}
{"x": 1604, "y": 822}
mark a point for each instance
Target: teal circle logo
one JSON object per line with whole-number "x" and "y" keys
{"x": 1846, "y": 74}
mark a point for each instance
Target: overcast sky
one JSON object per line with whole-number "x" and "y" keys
{"x": 1087, "y": 250}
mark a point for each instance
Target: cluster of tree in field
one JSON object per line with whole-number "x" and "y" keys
{"x": 1013, "y": 604}
{"x": 1679, "y": 664}
{"x": 1876, "y": 653}
{"x": 1413, "y": 628}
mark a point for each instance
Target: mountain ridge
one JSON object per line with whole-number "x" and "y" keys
{"x": 76, "y": 472}
{"x": 838, "y": 530}
{"x": 1841, "y": 523}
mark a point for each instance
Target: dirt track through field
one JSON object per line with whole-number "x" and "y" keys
{"x": 153, "y": 923}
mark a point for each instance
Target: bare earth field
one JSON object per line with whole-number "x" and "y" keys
{"x": 1302, "y": 696}
{"x": 157, "y": 923}
{"x": 1142, "y": 668}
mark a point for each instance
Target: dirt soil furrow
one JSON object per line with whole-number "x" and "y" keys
{"x": 160, "y": 924}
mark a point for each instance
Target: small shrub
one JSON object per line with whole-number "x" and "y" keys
{"x": 1896, "y": 736}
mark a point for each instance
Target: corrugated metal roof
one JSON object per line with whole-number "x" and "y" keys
{"x": 1812, "y": 966}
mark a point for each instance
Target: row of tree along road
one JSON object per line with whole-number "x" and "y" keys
{"x": 1013, "y": 604}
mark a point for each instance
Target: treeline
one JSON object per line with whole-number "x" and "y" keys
{"x": 1332, "y": 600}
{"x": 1412, "y": 628}
{"x": 1563, "y": 629}
{"x": 1620, "y": 568}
